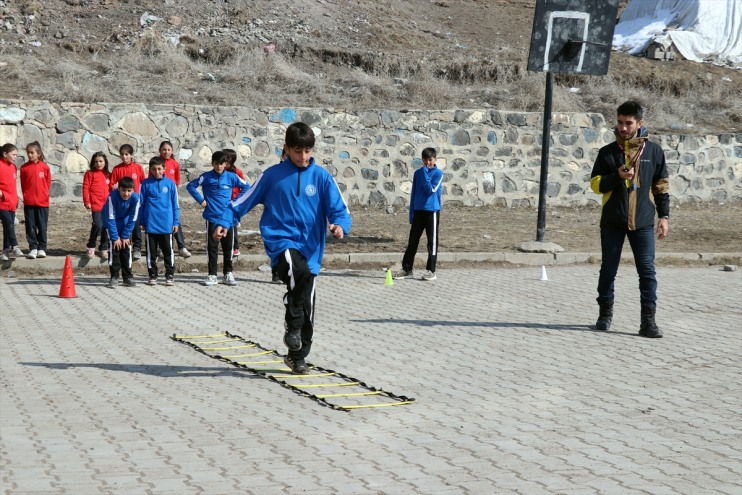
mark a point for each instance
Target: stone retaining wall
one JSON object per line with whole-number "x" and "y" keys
{"x": 488, "y": 156}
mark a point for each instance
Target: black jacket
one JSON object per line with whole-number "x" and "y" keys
{"x": 627, "y": 207}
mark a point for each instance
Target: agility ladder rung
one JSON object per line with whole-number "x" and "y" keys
{"x": 352, "y": 399}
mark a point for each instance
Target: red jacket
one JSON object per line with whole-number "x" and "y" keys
{"x": 36, "y": 180}
{"x": 172, "y": 170}
{"x": 236, "y": 190}
{"x": 95, "y": 186}
{"x": 133, "y": 170}
{"x": 8, "y": 186}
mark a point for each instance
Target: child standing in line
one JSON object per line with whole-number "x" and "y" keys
{"x": 299, "y": 198}
{"x": 8, "y": 201}
{"x": 159, "y": 218}
{"x": 121, "y": 212}
{"x": 36, "y": 181}
{"x": 95, "y": 189}
{"x": 425, "y": 214}
{"x": 129, "y": 168}
{"x": 216, "y": 186}
{"x": 232, "y": 167}
{"x": 172, "y": 172}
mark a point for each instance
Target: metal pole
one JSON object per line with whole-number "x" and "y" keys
{"x": 545, "y": 143}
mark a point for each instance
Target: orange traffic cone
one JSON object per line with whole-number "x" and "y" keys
{"x": 67, "y": 289}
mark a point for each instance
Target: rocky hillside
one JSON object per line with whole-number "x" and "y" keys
{"x": 339, "y": 53}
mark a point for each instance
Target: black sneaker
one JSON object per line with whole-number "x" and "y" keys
{"x": 113, "y": 282}
{"x": 298, "y": 365}
{"x": 276, "y": 279}
{"x": 129, "y": 283}
{"x": 292, "y": 338}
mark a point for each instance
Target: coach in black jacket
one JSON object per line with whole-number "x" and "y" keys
{"x": 631, "y": 175}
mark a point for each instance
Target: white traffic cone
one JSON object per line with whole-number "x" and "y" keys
{"x": 544, "y": 278}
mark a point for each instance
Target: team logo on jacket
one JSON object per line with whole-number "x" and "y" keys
{"x": 134, "y": 176}
{"x": 310, "y": 190}
{"x": 108, "y": 181}
{"x": 164, "y": 189}
{"x": 42, "y": 174}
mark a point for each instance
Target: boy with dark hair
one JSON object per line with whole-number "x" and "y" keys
{"x": 625, "y": 173}
{"x": 159, "y": 219}
{"x": 299, "y": 199}
{"x": 425, "y": 214}
{"x": 216, "y": 186}
{"x": 129, "y": 168}
{"x": 120, "y": 214}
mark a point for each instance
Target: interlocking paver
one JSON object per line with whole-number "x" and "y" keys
{"x": 516, "y": 393}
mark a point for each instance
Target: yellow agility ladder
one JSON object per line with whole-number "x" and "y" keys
{"x": 333, "y": 389}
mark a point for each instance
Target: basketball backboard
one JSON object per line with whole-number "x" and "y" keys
{"x": 572, "y": 36}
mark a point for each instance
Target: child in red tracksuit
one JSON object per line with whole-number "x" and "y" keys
{"x": 172, "y": 172}
{"x": 95, "y": 188}
{"x": 231, "y": 167}
{"x": 8, "y": 201}
{"x": 36, "y": 181}
{"x": 129, "y": 168}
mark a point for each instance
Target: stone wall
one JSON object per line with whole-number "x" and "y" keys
{"x": 488, "y": 156}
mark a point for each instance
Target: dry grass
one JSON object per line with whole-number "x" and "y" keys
{"x": 224, "y": 73}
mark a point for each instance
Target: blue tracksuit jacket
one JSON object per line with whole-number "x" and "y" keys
{"x": 217, "y": 190}
{"x": 299, "y": 202}
{"x": 426, "y": 190}
{"x": 159, "y": 211}
{"x": 120, "y": 216}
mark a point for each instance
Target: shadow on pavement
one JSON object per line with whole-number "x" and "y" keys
{"x": 494, "y": 324}
{"x": 167, "y": 371}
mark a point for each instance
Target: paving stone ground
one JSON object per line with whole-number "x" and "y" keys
{"x": 515, "y": 392}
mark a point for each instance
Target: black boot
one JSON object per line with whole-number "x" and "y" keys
{"x": 606, "y": 316}
{"x": 649, "y": 327}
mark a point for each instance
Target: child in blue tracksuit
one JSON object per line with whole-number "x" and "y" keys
{"x": 120, "y": 214}
{"x": 299, "y": 199}
{"x": 425, "y": 214}
{"x": 159, "y": 218}
{"x": 216, "y": 186}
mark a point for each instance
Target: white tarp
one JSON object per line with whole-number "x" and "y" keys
{"x": 701, "y": 30}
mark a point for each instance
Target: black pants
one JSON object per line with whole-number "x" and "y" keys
{"x": 8, "y": 220}
{"x": 96, "y": 229}
{"x": 422, "y": 221}
{"x": 293, "y": 271}
{"x": 165, "y": 243}
{"x": 212, "y": 248}
{"x": 136, "y": 238}
{"x": 119, "y": 260}
{"x": 37, "y": 218}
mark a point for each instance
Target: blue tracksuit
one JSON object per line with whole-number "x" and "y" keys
{"x": 426, "y": 190}
{"x": 120, "y": 216}
{"x": 217, "y": 190}
{"x": 298, "y": 204}
{"x": 159, "y": 211}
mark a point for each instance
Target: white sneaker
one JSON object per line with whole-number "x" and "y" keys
{"x": 402, "y": 274}
{"x": 4, "y": 256}
{"x": 32, "y": 254}
{"x": 428, "y": 275}
{"x": 229, "y": 279}
{"x": 41, "y": 253}
{"x": 137, "y": 254}
{"x": 211, "y": 280}
{"x": 184, "y": 253}
{"x": 17, "y": 252}
{"x": 91, "y": 253}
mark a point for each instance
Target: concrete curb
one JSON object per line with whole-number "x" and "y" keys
{"x": 516, "y": 258}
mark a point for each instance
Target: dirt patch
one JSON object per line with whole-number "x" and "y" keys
{"x": 693, "y": 229}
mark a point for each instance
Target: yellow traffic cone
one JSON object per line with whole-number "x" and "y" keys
{"x": 389, "y": 279}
